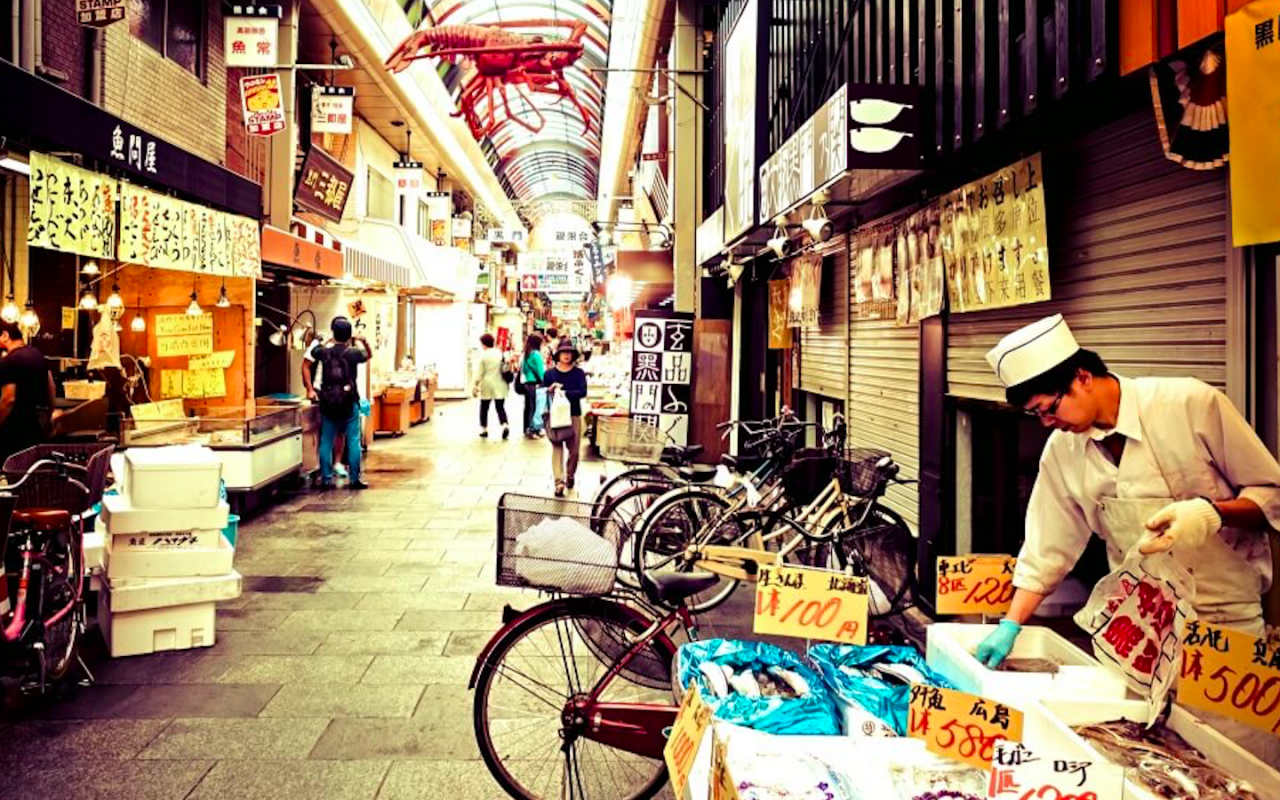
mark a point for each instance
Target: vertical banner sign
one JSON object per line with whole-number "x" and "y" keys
{"x": 251, "y": 36}
{"x": 662, "y": 372}
{"x": 811, "y": 604}
{"x": 682, "y": 745}
{"x": 779, "y": 326}
{"x": 1017, "y": 772}
{"x": 408, "y": 177}
{"x": 99, "y": 13}
{"x": 959, "y": 725}
{"x": 740, "y": 79}
{"x": 263, "y": 106}
{"x": 1231, "y": 673}
{"x": 71, "y": 209}
{"x": 440, "y": 218}
{"x": 975, "y": 584}
{"x": 806, "y": 283}
{"x": 1253, "y": 95}
{"x": 332, "y": 109}
{"x": 995, "y": 242}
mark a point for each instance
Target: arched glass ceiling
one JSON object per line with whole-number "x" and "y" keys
{"x": 562, "y": 159}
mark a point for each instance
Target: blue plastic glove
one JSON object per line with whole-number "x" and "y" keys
{"x": 995, "y": 648}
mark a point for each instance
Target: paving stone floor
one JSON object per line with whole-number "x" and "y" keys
{"x": 341, "y": 672}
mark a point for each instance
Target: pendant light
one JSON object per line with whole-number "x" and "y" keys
{"x": 29, "y": 321}
{"x": 114, "y": 300}
{"x": 10, "y": 311}
{"x": 90, "y": 268}
{"x": 88, "y": 302}
{"x": 193, "y": 308}
{"x": 139, "y": 323}
{"x": 223, "y": 300}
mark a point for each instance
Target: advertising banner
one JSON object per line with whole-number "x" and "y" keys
{"x": 662, "y": 372}
{"x": 1253, "y": 95}
{"x": 99, "y": 13}
{"x": 263, "y": 107}
{"x": 323, "y": 185}
{"x": 741, "y": 84}
{"x": 157, "y": 230}
{"x": 71, "y": 209}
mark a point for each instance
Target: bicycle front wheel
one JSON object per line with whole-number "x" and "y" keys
{"x": 681, "y": 519}
{"x": 627, "y": 480}
{"x": 530, "y": 737}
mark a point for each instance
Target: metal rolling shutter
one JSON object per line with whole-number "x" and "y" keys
{"x": 1138, "y": 249}
{"x": 823, "y": 349}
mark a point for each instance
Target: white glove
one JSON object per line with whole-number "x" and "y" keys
{"x": 1186, "y": 523}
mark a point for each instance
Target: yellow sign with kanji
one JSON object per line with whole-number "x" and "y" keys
{"x": 959, "y": 725}
{"x": 1253, "y": 97}
{"x": 219, "y": 360}
{"x": 973, "y": 584}
{"x": 1232, "y": 673}
{"x": 686, "y": 737}
{"x": 811, "y": 604}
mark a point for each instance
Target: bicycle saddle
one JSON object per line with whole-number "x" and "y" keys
{"x": 677, "y": 454}
{"x": 673, "y": 587}
{"x": 697, "y": 473}
{"x": 43, "y": 519}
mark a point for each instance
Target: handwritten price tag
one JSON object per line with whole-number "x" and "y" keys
{"x": 960, "y": 725}
{"x": 1017, "y": 773}
{"x": 686, "y": 737}
{"x": 1232, "y": 673}
{"x": 811, "y": 604}
{"x": 183, "y": 324}
{"x": 723, "y": 786}
{"x": 975, "y": 584}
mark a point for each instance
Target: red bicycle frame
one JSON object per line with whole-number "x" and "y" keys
{"x": 13, "y": 631}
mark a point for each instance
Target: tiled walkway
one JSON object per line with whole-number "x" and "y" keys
{"x": 340, "y": 673}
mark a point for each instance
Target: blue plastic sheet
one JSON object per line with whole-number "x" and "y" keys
{"x": 888, "y": 701}
{"x": 814, "y": 714}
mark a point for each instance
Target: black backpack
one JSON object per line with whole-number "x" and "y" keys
{"x": 337, "y": 385}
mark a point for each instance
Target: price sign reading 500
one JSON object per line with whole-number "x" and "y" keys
{"x": 1232, "y": 673}
{"x": 811, "y": 604}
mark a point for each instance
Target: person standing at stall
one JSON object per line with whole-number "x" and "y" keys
{"x": 566, "y": 378}
{"x": 26, "y": 393}
{"x": 532, "y": 368}
{"x": 339, "y": 396}
{"x": 491, "y": 386}
{"x": 311, "y": 381}
{"x": 1161, "y": 464}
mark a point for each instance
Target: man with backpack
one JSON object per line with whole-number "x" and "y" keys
{"x": 339, "y": 397}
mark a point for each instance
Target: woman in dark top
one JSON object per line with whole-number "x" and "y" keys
{"x": 565, "y": 376}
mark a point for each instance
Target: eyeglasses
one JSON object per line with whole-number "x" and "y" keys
{"x": 1051, "y": 411}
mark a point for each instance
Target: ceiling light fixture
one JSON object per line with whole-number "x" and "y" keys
{"x": 193, "y": 308}
{"x": 139, "y": 323}
{"x": 817, "y": 225}
{"x": 114, "y": 300}
{"x": 90, "y": 268}
{"x": 781, "y": 244}
{"x": 88, "y": 302}
{"x": 223, "y": 300}
{"x": 29, "y": 322}
{"x": 10, "y": 311}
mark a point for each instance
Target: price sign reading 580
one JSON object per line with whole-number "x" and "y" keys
{"x": 975, "y": 584}
{"x": 811, "y": 604}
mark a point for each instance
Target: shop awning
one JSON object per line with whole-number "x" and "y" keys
{"x": 296, "y": 253}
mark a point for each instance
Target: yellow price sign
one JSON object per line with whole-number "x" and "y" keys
{"x": 975, "y": 584}
{"x": 183, "y": 324}
{"x": 811, "y": 604}
{"x": 723, "y": 786}
{"x": 959, "y": 725}
{"x": 686, "y": 737}
{"x": 1232, "y": 673}
{"x": 218, "y": 360}
{"x": 172, "y": 382}
{"x": 68, "y": 318}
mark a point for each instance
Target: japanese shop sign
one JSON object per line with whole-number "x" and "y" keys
{"x": 554, "y": 270}
{"x": 1231, "y": 673}
{"x": 814, "y": 155}
{"x": 161, "y": 231}
{"x": 99, "y": 13}
{"x": 741, "y": 90}
{"x": 975, "y": 584}
{"x": 811, "y": 604}
{"x": 462, "y": 228}
{"x": 183, "y": 335}
{"x": 682, "y": 745}
{"x": 884, "y": 126}
{"x": 507, "y": 235}
{"x": 408, "y": 176}
{"x": 263, "y": 106}
{"x": 1018, "y": 773}
{"x": 251, "y": 36}
{"x": 959, "y": 725}
{"x": 332, "y": 109}
{"x": 779, "y": 328}
{"x": 71, "y": 209}
{"x": 323, "y": 185}
{"x": 1253, "y": 56}
{"x": 806, "y": 283}
{"x": 995, "y": 246}
{"x": 439, "y": 218}
{"x": 662, "y": 372}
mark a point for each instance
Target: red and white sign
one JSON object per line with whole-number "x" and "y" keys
{"x": 408, "y": 176}
{"x": 99, "y": 13}
{"x": 263, "y": 107}
{"x": 251, "y": 41}
{"x": 529, "y": 283}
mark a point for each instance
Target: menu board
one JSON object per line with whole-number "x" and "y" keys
{"x": 161, "y": 231}
{"x": 71, "y": 209}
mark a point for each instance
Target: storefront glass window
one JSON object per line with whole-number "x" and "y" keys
{"x": 174, "y": 28}
{"x": 382, "y": 197}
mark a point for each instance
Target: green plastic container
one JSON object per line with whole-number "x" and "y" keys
{"x": 233, "y": 528}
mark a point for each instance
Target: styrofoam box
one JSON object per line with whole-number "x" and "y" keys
{"x": 1051, "y": 731}
{"x": 119, "y": 517}
{"x": 180, "y": 476}
{"x": 160, "y": 563}
{"x": 950, "y": 651}
{"x": 153, "y": 630}
{"x": 94, "y": 545}
{"x": 140, "y": 594}
{"x": 178, "y": 541}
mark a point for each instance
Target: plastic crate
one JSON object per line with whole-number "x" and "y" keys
{"x": 562, "y": 573}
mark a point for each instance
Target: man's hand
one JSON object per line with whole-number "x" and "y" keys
{"x": 311, "y": 394}
{"x": 1186, "y": 523}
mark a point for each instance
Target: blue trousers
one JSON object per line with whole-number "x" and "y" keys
{"x": 330, "y": 429}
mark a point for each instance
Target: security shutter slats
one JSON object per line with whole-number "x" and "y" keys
{"x": 1137, "y": 254}
{"x": 823, "y": 349}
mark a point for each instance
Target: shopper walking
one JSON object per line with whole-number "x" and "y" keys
{"x": 26, "y": 393}
{"x": 339, "y": 395}
{"x": 491, "y": 386}
{"x": 532, "y": 368}
{"x": 567, "y": 380}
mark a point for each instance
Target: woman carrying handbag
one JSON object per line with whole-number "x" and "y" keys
{"x": 567, "y": 384}
{"x": 532, "y": 368}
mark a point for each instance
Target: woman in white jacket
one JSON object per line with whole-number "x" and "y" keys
{"x": 491, "y": 386}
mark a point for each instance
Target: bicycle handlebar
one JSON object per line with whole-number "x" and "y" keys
{"x": 58, "y": 461}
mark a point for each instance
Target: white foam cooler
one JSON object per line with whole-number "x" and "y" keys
{"x": 950, "y": 650}
{"x": 120, "y": 516}
{"x": 124, "y": 561}
{"x": 181, "y": 476}
{"x": 151, "y": 616}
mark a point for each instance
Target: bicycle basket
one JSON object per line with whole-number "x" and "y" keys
{"x": 556, "y": 546}
{"x": 807, "y": 475}
{"x": 47, "y": 489}
{"x": 858, "y": 472}
{"x": 886, "y": 551}
{"x": 628, "y": 439}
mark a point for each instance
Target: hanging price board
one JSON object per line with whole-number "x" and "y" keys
{"x": 1018, "y": 773}
{"x": 962, "y": 726}
{"x": 1231, "y": 673}
{"x": 975, "y": 584}
{"x": 686, "y": 737}
{"x": 811, "y": 604}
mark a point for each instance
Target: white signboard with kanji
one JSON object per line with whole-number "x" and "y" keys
{"x": 662, "y": 372}
{"x": 332, "y": 109}
{"x": 555, "y": 270}
{"x": 251, "y": 40}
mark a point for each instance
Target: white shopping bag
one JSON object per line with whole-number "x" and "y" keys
{"x": 565, "y": 555}
{"x": 561, "y": 413}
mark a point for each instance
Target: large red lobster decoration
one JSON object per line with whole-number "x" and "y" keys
{"x": 502, "y": 59}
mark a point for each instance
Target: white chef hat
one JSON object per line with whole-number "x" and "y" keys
{"x": 1032, "y": 350}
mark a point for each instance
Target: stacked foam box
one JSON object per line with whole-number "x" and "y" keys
{"x": 167, "y": 563}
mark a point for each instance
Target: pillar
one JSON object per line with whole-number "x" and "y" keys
{"x": 686, "y": 188}
{"x": 278, "y": 192}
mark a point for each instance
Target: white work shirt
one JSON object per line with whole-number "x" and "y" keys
{"x": 1202, "y": 439}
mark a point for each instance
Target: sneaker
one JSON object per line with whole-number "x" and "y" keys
{"x": 506, "y": 432}
{"x": 484, "y": 433}
{"x": 357, "y": 484}
{"x": 324, "y": 486}
{"x": 340, "y": 470}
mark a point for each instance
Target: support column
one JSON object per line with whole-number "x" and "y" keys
{"x": 686, "y": 186}
{"x": 277, "y": 195}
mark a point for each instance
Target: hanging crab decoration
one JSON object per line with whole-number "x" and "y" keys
{"x": 502, "y": 58}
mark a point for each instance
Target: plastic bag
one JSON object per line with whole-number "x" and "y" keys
{"x": 561, "y": 413}
{"x": 1136, "y": 616}
{"x": 814, "y": 713}
{"x": 104, "y": 351}
{"x": 564, "y": 555}
{"x": 887, "y": 700}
